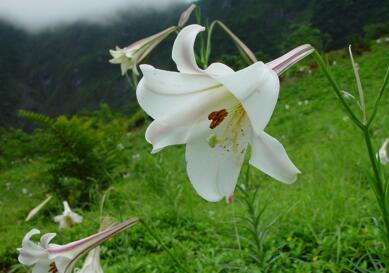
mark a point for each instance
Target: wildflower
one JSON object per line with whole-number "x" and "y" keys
{"x": 315, "y": 258}
{"x": 378, "y": 41}
{"x": 287, "y": 107}
{"x": 131, "y": 56}
{"x": 306, "y": 102}
{"x": 68, "y": 217}
{"x": 300, "y": 103}
{"x": 8, "y": 185}
{"x": 216, "y": 112}
{"x": 24, "y": 191}
{"x": 135, "y": 156}
{"x": 383, "y": 153}
{"x": 51, "y": 258}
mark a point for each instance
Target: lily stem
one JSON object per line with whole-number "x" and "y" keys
{"x": 155, "y": 236}
{"x": 379, "y": 187}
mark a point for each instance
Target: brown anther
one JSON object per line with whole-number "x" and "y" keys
{"x": 53, "y": 268}
{"x": 217, "y": 117}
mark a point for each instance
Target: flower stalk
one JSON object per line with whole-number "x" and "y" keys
{"x": 378, "y": 183}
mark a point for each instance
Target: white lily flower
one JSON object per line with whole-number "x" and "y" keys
{"x": 92, "y": 262}
{"x": 68, "y": 218}
{"x": 52, "y": 258}
{"x": 130, "y": 56}
{"x": 216, "y": 112}
{"x": 383, "y": 153}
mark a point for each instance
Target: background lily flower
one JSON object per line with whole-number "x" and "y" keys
{"x": 131, "y": 56}
{"x": 68, "y": 218}
{"x": 216, "y": 112}
{"x": 383, "y": 153}
{"x": 52, "y": 258}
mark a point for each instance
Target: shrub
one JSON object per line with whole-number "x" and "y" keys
{"x": 81, "y": 159}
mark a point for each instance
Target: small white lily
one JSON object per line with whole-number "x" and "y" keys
{"x": 68, "y": 218}
{"x": 130, "y": 56}
{"x": 216, "y": 112}
{"x": 383, "y": 153}
{"x": 52, "y": 258}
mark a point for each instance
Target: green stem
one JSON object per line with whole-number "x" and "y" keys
{"x": 155, "y": 236}
{"x": 380, "y": 190}
{"x": 335, "y": 86}
{"x": 379, "y": 186}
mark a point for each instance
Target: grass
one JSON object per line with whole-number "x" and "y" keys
{"x": 323, "y": 223}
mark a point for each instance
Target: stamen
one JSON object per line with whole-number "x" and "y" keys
{"x": 217, "y": 117}
{"x": 53, "y": 268}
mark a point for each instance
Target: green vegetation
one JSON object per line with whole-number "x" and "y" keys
{"x": 322, "y": 223}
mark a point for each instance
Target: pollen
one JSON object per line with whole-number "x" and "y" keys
{"x": 53, "y": 268}
{"x": 217, "y": 117}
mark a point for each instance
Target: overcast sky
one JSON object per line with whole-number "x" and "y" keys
{"x": 36, "y": 15}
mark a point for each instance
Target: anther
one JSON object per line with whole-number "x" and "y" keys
{"x": 217, "y": 117}
{"x": 53, "y": 268}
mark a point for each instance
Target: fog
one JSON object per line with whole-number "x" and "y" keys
{"x": 37, "y": 15}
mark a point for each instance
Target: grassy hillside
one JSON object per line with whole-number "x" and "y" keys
{"x": 322, "y": 223}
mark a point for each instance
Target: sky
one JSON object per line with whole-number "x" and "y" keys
{"x": 37, "y": 15}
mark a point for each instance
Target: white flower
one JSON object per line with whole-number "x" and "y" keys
{"x": 130, "y": 56}
{"x": 383, "y": 153}
{"x": 52, "y": 258}
{"x": 287, "y": 107}
{"x": 300, "y": 103}
{"x": 92, "y": 262}
{"x": 306, "y": 102}
{"x": 68, "y": 217}
{"x": 216, "y": 112}
{"x": 135, "y": 156}
{"x": 24, "y": 191}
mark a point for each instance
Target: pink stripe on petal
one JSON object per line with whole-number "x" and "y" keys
{"x": 282, "y": 63}
{"x": 99, "y": 237}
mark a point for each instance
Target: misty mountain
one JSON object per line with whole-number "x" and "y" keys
{"x": 66, "y": 70}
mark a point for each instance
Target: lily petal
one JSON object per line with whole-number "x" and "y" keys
{"x": 257, "y": 88}
{"x": 183, "y": 52}
{"x": 187, "y": 120}
{"x": 213, "y": 172}
{"x": 41, "y": 266}
{"x": 161, "y": 91}
{"x": 269, "y": 156}
{"x": 67, "y": 255}
{"x": 282, "y": 63}
{"x": 30, "y": 252}
{"x": 46, "y": 238}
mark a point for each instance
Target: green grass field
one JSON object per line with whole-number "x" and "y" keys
{"x": 325, "y": 222}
